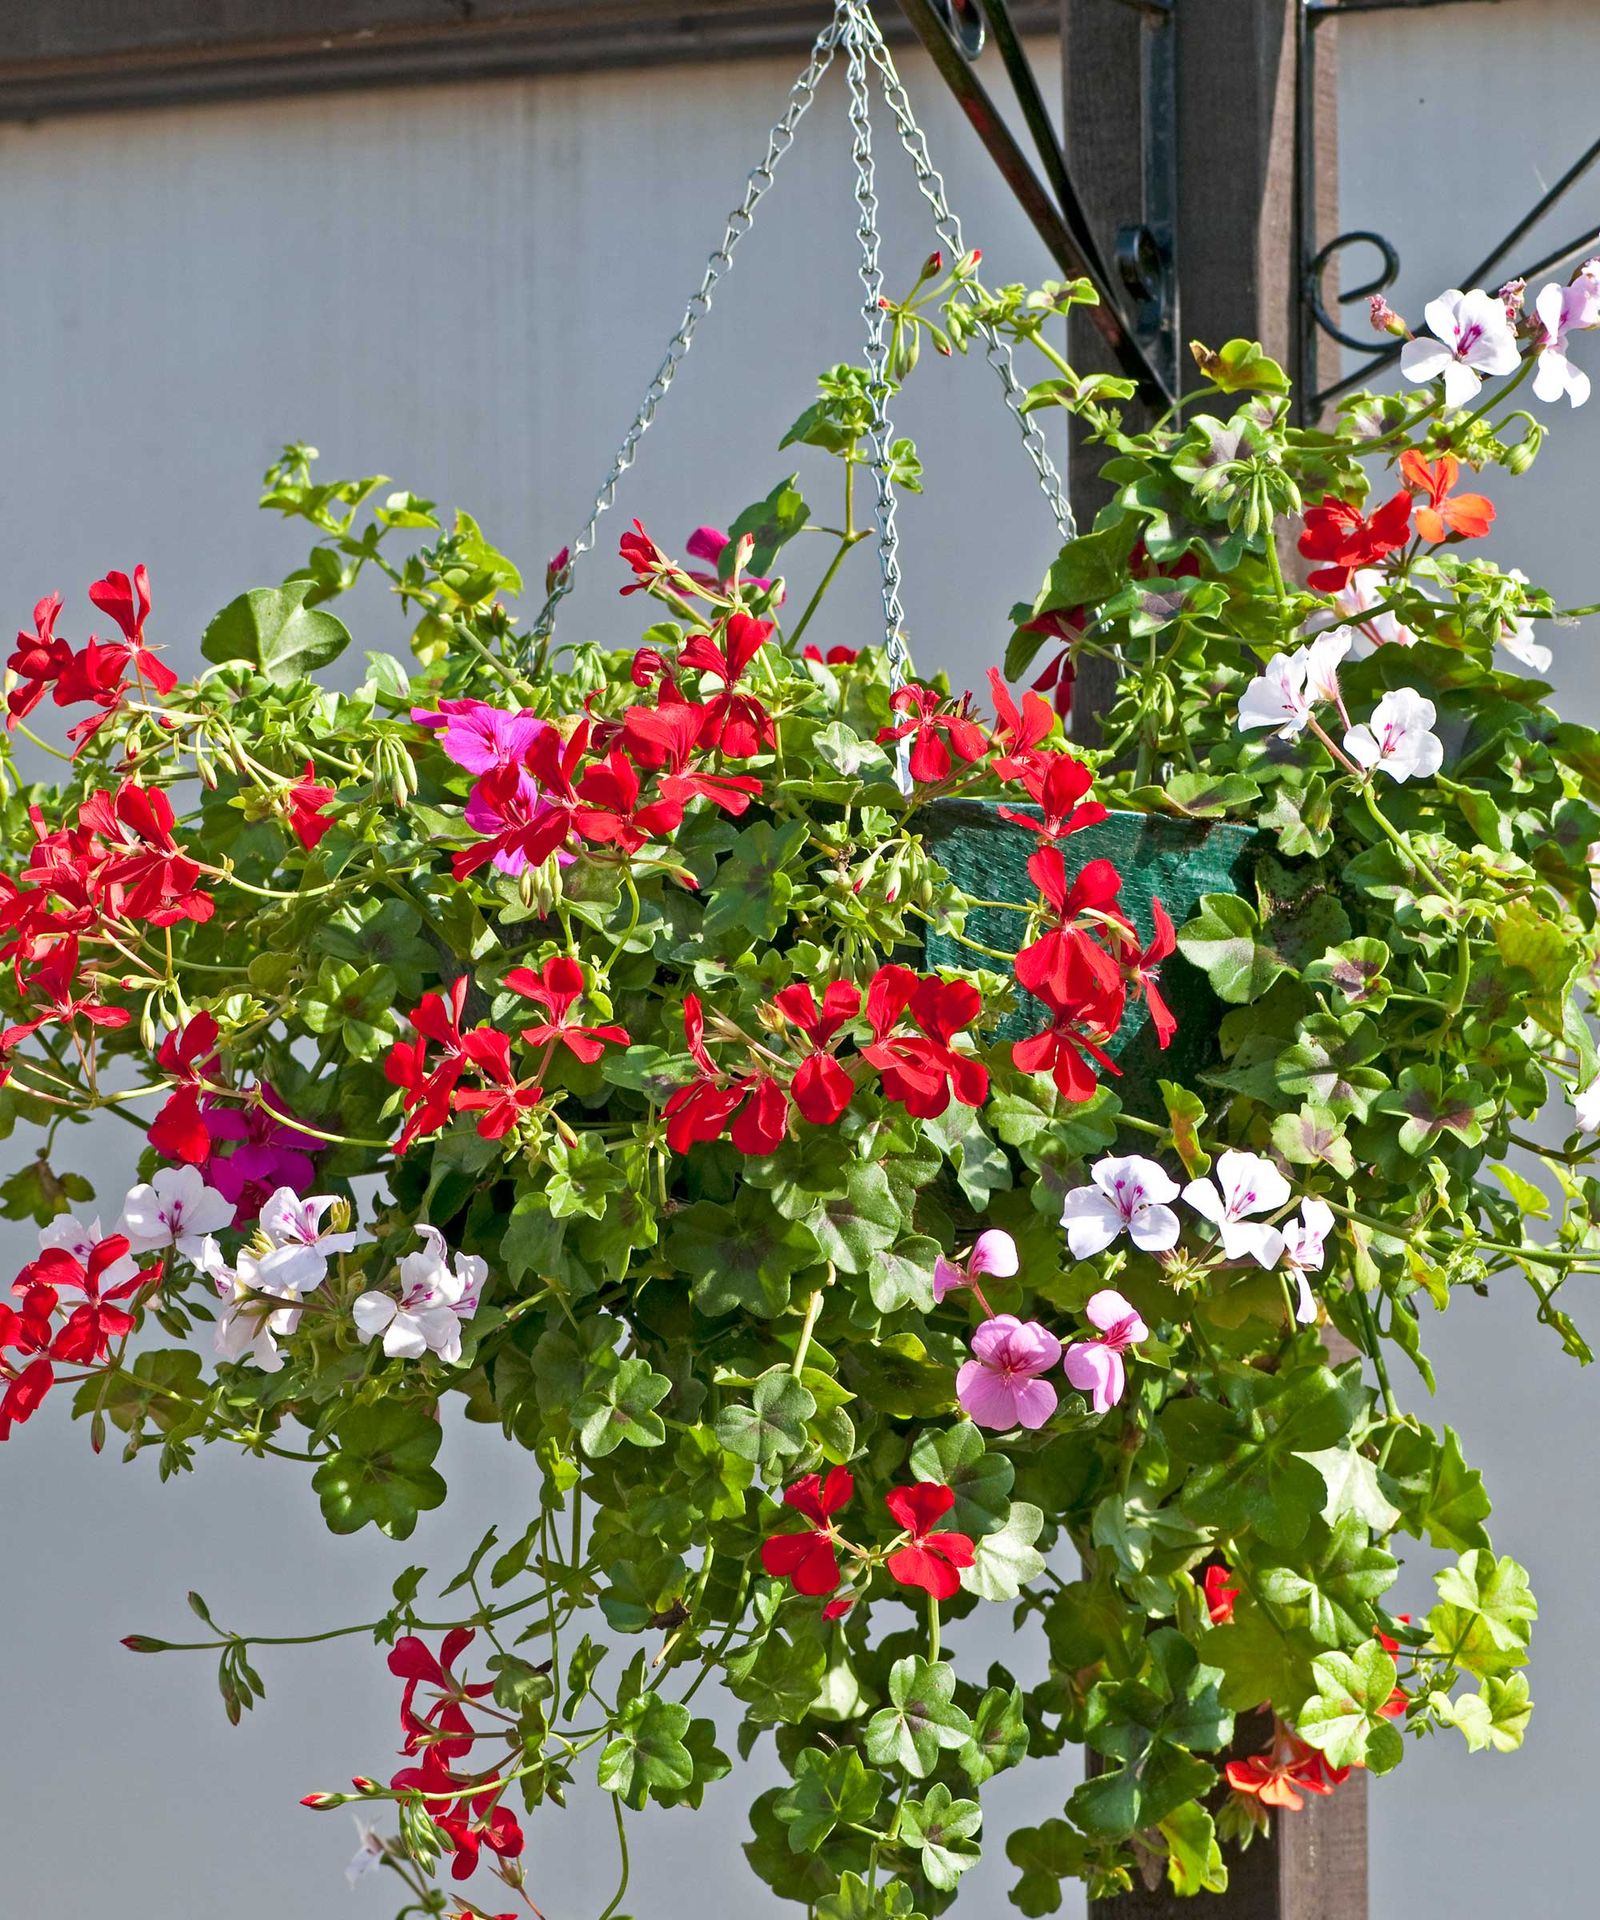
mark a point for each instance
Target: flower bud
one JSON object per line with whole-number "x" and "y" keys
{"x": 1511, "y": 297}
{"x": 556, "y": 567}
{"x": 363, "y": 1785}
{"x": 932, "y": 265}
{"x": 1385, "y": 319}
{"x": 143, "y": 1643}
{"x": 319, "y": 1802}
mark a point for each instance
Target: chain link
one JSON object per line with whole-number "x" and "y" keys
{"x": 854, "y": 28}
{"x": 781, "y": 138}
{"x": 948, "y": 227}
{"x": 880, "y": 434}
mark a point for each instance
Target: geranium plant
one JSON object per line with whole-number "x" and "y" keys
{"x": 616, "y": 1047}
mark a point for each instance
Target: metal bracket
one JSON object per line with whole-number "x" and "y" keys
{"x": 1142, "y": 341}
{"x": 1381, "y": 352}
{"x": 1146, "y": 249}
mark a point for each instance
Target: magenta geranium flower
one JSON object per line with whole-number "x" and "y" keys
{"x": 477, "y": 736}
{"x": 999, "y": 1386}
{"x": 1095, "y": 1367}
{"x": 271, "y": 1152}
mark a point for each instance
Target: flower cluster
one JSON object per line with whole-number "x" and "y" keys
{"x": 923, "y": 1554}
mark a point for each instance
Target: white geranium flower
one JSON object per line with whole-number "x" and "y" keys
{"x": 1277, "y": 697}
{"x": 1472, "y": 336}
{"x": 1128, "y": 1195}
{"x": 368, "y": 1854}
{"x": 250, "y": 1324}
{"x": 1586, "y": 1106}
{"x": 1244, "y": 1184}
{"x": 174, "y": 1209}
{"x": 1399, "y": 737}
{"x": 1304, "y": 1245}
{"x": 300, "y": 1249}
{"x": 434, "y": 1300}
{"x": 1560, "y": 309}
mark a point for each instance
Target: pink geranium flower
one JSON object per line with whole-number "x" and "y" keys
{"x": 1095, "y": 1367}
{"x": 999, "y": 1386}
{"x": 993, "y": 1252}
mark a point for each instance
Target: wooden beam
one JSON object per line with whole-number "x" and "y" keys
{"x": 1238, "y": 246}
{"x": 107, "y": 54}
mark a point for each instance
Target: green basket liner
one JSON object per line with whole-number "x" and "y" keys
{"x": 1170, "y": 860}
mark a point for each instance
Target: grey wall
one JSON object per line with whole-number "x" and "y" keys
{"x": 468, "y": 289}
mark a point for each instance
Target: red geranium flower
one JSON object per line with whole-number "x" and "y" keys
{"x": 25, "y": 1394}
{"x": 702, "y": 1109}
{"x": 128, "y": 603}
{"x": 735, "y": 723}
{"x": 39, "y": 661}
{"x": 933, "y": 1559}
{"x": 1018, "y": 730}
{"x": 1056, "y": 784}
{"x": 809, "y": 1560}
{"x": 413, "y": 1661}
{"x": 1144, "y": 973}
{"x": 1441, "y": 514}
{"x": 644, "y": 556}
{"x": 503, "y": 1099}
{"x": 937, "y": 729}
{"x": 108, "y": 1277}
{"x": 1345, "y": 541}
{"x": 609, "y": 813}
{"x": 308, "y": 817}
{"x": 1220, "y": 1596}
{"x": 1287, "y": 1771}
{"x": 1077, "y": 1034}
{"x": 426, "y": 1088}
{"x": 179, "y": 1131}
{"x": 557, "y": 987}
{"x": 921, "y": 1071}
{"x": 662, "y": 740}
{"x": 822, "y": 1088}
{"x": 834, "y": 657}
{"x": 146, "y": 873}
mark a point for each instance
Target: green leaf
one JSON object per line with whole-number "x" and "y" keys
{"x": 1004, "y": 1562}
{"x": 1344, "y": 1717}
{"x": 616, "y": 1405}
{"x": 272, "y": 629}
{"x": 999, "y": 1736}
{"x": 1338, "y": 1587}
{"x": 944, "y": 1831}
{"x": 1223, "y": 941}
{"x": 854, "y": 1228}
{"x": 957, "y": 1457}
{"x": 858, "y": 1899}
{"x": 382, "y": 1471}
{"x": 1242, "y": 366}
{"x": 740, "y": 1256}
{"x": 1152, "y": 1726}
{"x": 1194, "y": 1856}
{"x": 647, "y": 1754}
{"x": 1497, "y": 1716}
{"x": 771, "y": 523}
{"x": 1260, "y": 1660}
{"x": 1253, "y": 1470}
{"x": 772, "y": 1428}
{"x": 831, "y": 1788}
{"x": 921, "y": 1719}
{"x": 1438, "y": 1492}
{"x": 1047, "y": 1855}
{"x": 1485, "y": 1614}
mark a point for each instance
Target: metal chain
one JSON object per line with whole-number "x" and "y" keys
{"x": 781, "y": 138}
{"x": 857, "y": 38}
{"x": 948, "y": 227}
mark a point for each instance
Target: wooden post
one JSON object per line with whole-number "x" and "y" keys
{"x": 1238, "y": 112}
{"x": 1235, "y": 115}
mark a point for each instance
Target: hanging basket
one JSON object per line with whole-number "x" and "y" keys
{"x": 1159, "y": 858}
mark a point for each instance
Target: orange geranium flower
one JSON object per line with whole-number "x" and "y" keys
{"x": 1442, "y": 512}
